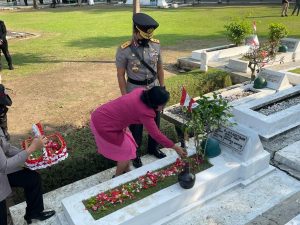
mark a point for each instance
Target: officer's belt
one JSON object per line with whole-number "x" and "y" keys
{"x": 141, "y": 82}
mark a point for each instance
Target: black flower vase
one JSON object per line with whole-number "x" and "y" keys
{"x": 186, "y": 179}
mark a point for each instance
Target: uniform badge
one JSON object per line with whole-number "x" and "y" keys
{"x": 135, "y": 68}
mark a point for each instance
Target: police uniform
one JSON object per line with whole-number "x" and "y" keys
{"x": 135, "y": 70}
{"x": 4, "y": 46}
{"x": 129, "y": 56}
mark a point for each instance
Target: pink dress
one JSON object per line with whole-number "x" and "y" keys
{"x": 109, "y": 123}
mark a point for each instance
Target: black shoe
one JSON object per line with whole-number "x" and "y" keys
{"x": 39, "y": 216}
{"x": 137, "y": 162}
{"x": 157, "y": 153}
{"x": 10, "y": 67}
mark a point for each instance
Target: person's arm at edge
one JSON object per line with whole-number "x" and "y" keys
{"x": 158, "y": 136}
{"x": 121, "y": 80}
{"x": 9, "y": 165}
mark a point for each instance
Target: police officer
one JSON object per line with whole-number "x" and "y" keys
{"x": 4, "y": 46}
{"x": 141, "y": 60}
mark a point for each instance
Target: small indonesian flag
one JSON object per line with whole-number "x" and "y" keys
{"x": 185, "y": 98}
{"x": 38, "y": 130}
{"x": 193, "y": 104}
{"x": 254, "y": 26}
{"x": 256, "y": 40}
{"x": 253, "y": 41}
{"x": 187, "y": 101}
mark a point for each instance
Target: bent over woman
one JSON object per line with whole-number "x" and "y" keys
{"x": 109, "y": 124}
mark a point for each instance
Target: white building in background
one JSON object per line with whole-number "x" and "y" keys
{"x": 158, "y": 3}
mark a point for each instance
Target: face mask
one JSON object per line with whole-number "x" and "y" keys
{"x": 143, "y": 42}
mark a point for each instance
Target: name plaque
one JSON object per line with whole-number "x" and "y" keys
{"x": 271, "y": 77}
{"x": 275, "y": 80}
{"x": 232, "y": 139}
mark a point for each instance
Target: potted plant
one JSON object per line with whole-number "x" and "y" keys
{"x": 259, "y": 55}
{"x": 237, "y": 31}
{"x": 209, "y": 115}
{"x": 202, "y": 118}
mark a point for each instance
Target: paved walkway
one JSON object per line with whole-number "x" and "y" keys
{"x": 273, "y": 199}
{"x": 280, "y": 213}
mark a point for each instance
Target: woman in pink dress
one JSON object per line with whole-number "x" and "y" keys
{"x": 109, "y": 124}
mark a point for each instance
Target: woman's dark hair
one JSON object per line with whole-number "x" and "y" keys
{"x": 155, "y": 97}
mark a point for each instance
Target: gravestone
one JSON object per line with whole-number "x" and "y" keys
{"x": 292, "y": 44}
{"x": 238, "y": 65}
{"x": 267, "y": 126}
{"x": 242, "y": 161}
{"x": 293, "y": 77}
{"x": 239, "y": 141}
{"x": 275, "y": 80}
{"x": 232, "y": 139}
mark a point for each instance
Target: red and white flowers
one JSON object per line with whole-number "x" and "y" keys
{"x": 125, "y": 192}
{"x": 54, "y": 152}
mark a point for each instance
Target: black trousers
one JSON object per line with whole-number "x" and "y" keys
{"x": 30, "y": 181}
{"x": 137, "y": 133}
{"x": 3, "y": 121}
{"x": 297, "y": 7}
{"x": 4, "y": 49}
{"x": 3, "y": 215}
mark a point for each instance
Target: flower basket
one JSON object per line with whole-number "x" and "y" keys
{"x": 54, "y": 152}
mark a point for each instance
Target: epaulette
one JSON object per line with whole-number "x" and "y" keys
{"x": 126, "y": 44}
{"x": 154, "y": 40}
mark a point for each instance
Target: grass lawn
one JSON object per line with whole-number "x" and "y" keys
{"x": 295, "y": 70}
{"x": 93, "y": 33}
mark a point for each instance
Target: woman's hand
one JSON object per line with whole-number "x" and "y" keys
{"x": 180, "y": 151}
{"x": 37, "y": 143}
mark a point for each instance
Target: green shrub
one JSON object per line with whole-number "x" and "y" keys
{"x": 277, "y": 31}
{"x": 197, "y": 83}
{"x": 237, "y": 31}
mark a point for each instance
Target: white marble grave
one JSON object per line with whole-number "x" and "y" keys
{"x": 238, "y": 65}
{"x": 293, "y": 44}
{"x": 219, "y": 52}
{"x": 226, "y": 93}
{"x": 294, "y": 221}
{"x": 275, "y": 80}
{"x": 271, "y": 125}
{"x": 293, "y": 47}
{"x": 289, "y": 156}
{"x": 294, "y": 78}
{"x": 242, "y": 161}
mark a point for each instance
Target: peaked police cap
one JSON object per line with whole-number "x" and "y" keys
{"x": 145, "y": 24}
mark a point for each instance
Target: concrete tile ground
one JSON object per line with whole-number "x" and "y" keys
{"x": 280, "y": 213}
{"x": 273, "y": 198}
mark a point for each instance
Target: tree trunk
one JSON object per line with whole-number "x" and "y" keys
{"x": 136, "y": 6}
{"x": 34, "y": 4}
